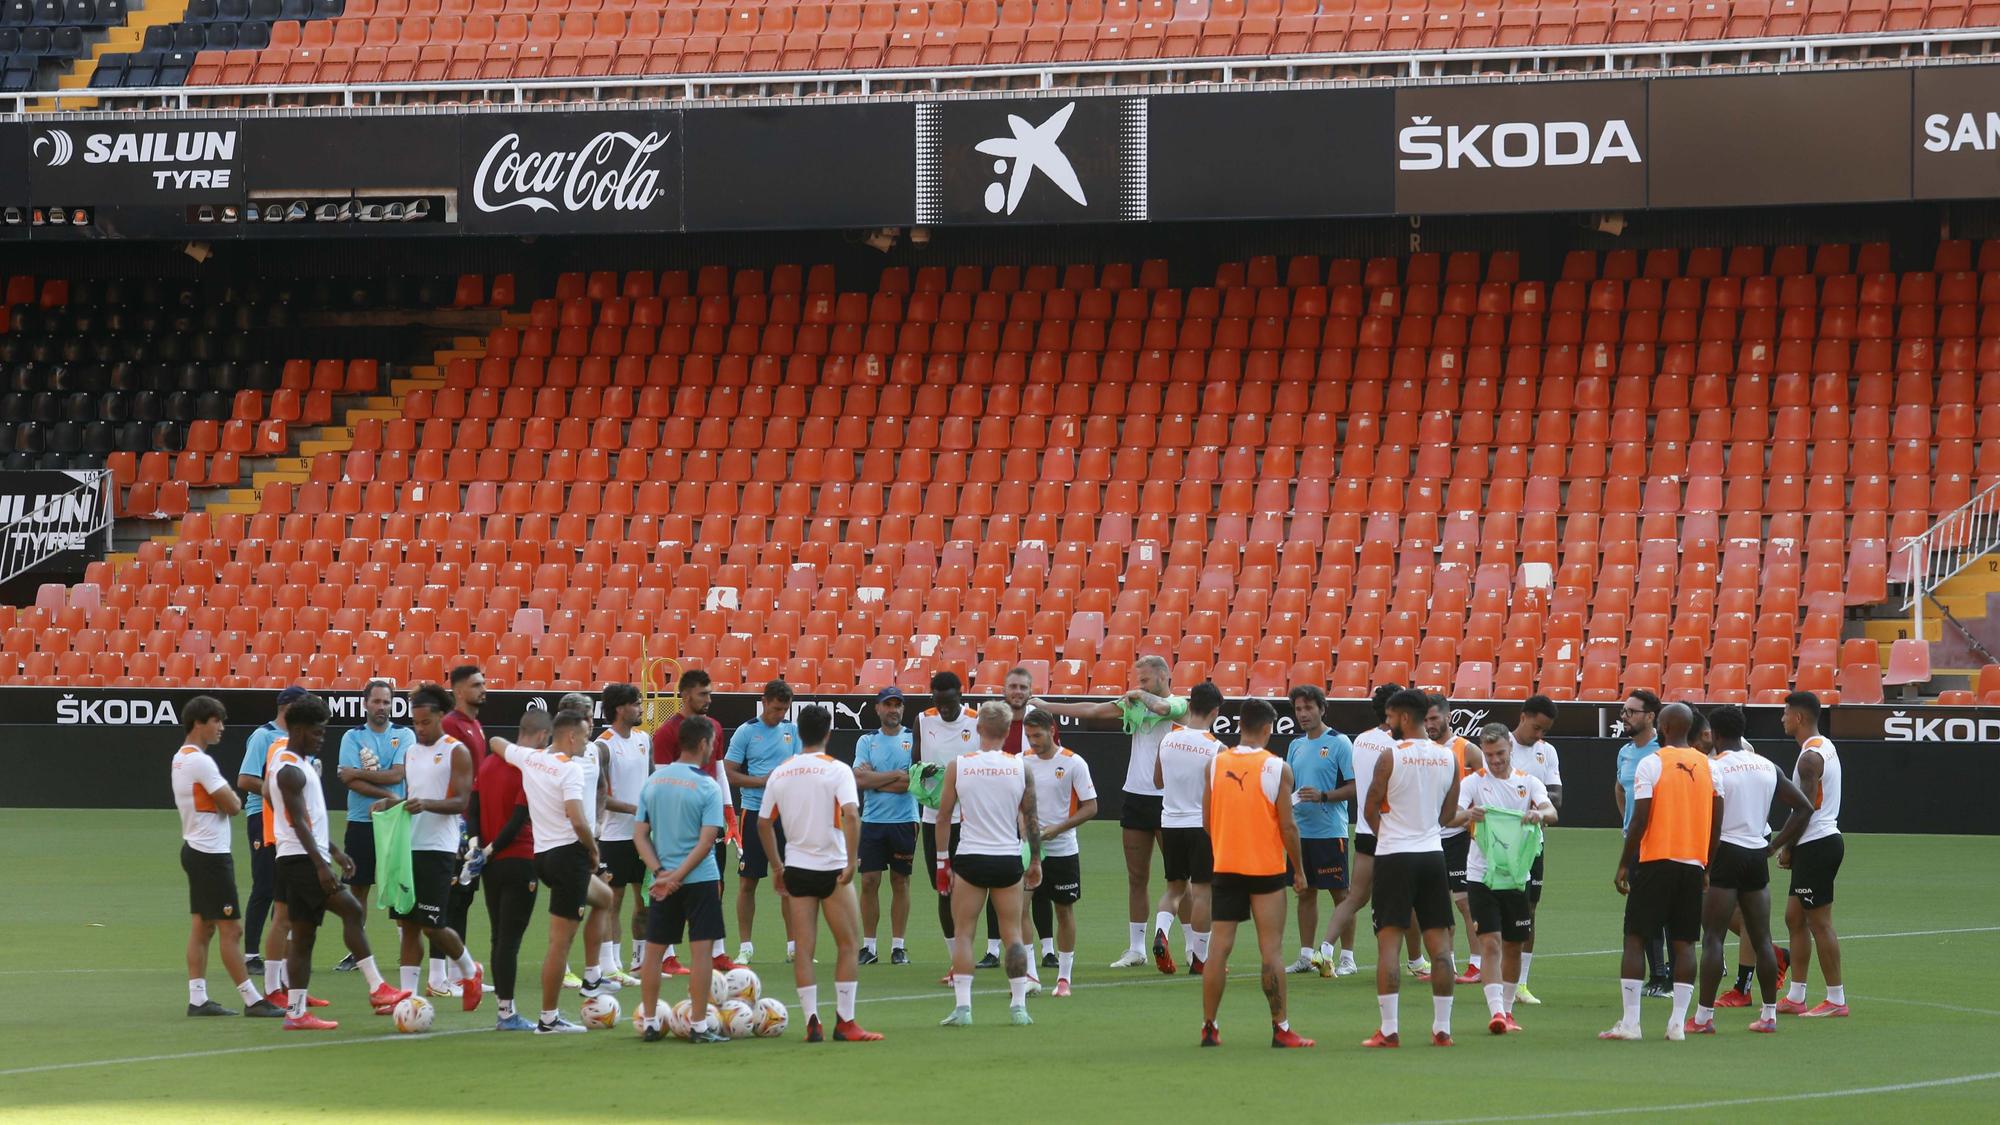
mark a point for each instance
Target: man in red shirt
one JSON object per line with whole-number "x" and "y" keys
{"x": 695, "y": 694}
{"x": 501, "y": 819}
{"x": 468, "y": 692}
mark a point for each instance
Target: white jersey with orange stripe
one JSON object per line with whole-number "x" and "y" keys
{"x": 285, "y": 834}
{"x": 1419, "y": 781}
{"x": 1826, "y": 810}
{"x": 1062, "y": 784}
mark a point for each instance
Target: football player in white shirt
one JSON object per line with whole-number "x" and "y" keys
{"x": 437, "y": 781}
{"x": 1146, "y": 713}
{"x": 989, "y": 791}
{"x": 627, "y": 754}
{"x": 1065, "y": 797}
{"x": 1536, "y": 757}
{"x": 1501, "y": 919}
{"x": 946, "y": 729}
{"x": 1457, "y": 841}
{"x": 1739, "y": 878}
{"x": 1369, "y": 745}
{"x": 1814, "y": 863}
{"x": 1411, "y": 797}
{"x": 1179, "y": 770}
{"x": 559, "y": 805}
{"x": 206, "y": 803}
{"x": 310, "y": 867}
{"x": 812, "y": 794}
{"x": 601, "y": 925}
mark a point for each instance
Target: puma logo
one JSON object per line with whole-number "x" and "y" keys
{"x": 1684, "y": 766}
{"x": 1238, "y": 778}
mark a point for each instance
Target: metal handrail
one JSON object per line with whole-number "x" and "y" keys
{"x": 1947, "y": 547}
{"x": 1810, "y": 51}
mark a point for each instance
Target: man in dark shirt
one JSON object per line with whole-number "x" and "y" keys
{"x": 501, "y": 806}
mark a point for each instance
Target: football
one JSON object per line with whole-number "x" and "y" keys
{"x": 413, "y": 1016}
{"x": 739, "y": 1020}
{"x": 600, "y": 1012}
{"x": 741, "y": 984}
{"x": 772, "y": 1018}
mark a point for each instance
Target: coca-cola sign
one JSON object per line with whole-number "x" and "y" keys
{"x": 613, "y": 171}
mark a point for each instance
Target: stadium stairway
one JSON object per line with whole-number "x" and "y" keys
{"x": 120, "y": 39}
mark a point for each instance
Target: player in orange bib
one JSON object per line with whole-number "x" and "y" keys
{"x": 1247, "y": 810}
{"x": 1676, "y": 822}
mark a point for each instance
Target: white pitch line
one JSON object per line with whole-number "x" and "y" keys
{"x": 1810, "y": 1095}
{"x": 1931, "y": 1004}
{"x": 259, "y": 1048}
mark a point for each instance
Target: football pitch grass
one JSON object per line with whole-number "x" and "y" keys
{"x": 94, "y": 923}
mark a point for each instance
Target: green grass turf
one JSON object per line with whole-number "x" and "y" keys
{"x": 94, "y": 923}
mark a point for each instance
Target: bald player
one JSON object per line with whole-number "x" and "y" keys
{"x": 990, "y": 789}
{"x": 1676, "y": 821}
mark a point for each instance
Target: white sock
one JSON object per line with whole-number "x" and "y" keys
{"x": 466, "y": 966}
{"x": 551, "y": 1015}
{"x": 1017, "y": 992}
{"x": 248, "y": 991}
{"x": 198, "y": 992}
{"x": 895, "y": 943}
{"x": 1417, "y": 965}
{"x": 868, "y": 943}
{"x": 451, "y": 972}
{"x": 745, "y": 950}
{"x": 1136, "y": 935}
{"x": 1187, "y": 941}
{"x": 437, "y": 972}
{"x": 1769, "y": 1011}
{"x": 638, "y": 955}
{"x": 1683, "y": 996}
{"x": 1283, "y": 1025}
{"x": 669, "y": 953}
{"x": 1474, "y": 959}
{"x": 410, "y": 978}
{"x": 295, "y": 1003}
{"x": 1496, "y": 999}
{"x": 1387, "y": 1002}
{"x": 950, "y": 953}
{"x": 1703, "y": 1014}
{"x": 285, "y": 974}
{"x": 1441, "y": 1014}
{"x": 1628, "y": 992}
{"x": 1508, "y": 992}
{"x": 274, "y": 979}
{"x": 1526, "y": 960}
{"x": 607, "y": 958}
{"x": 369, "y": 972}
{"x": 1836, "y": 994}
{"x": 506, "y": 1008}
{"x": 843, "y": 998}
{"x": 1201, "y": 944}
{"x": 1305, "y": 953}
{"x": 1063, "y": 963}
{"x": 809, "y": 1000}
{"x": 1163, "y": 923}
{"x": 1797, "y": 992}
{"x": 1347, "y": 957}
{"x": 993, "y": 947}
{"x": 1048, "y": 946}
{"x": 961, "y": 989}
{"x": 791, "y": 949}
{"x": 592, "y": 977}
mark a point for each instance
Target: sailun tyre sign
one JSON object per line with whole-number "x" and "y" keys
{"x": 573, "y": 172}
{"x": 52, "y": 522}
{"x": 171, "y": 162}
